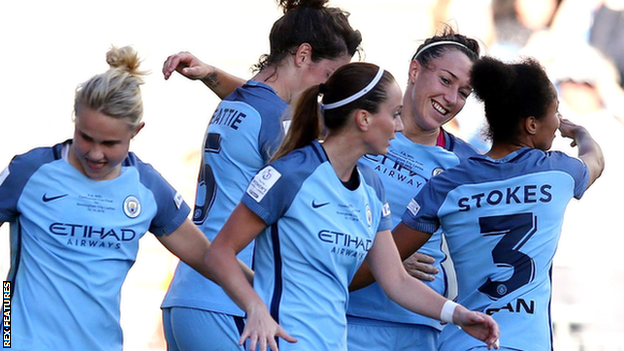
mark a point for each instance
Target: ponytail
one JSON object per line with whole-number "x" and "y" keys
{"x": 305, "y": 126}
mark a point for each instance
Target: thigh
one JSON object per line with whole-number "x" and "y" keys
{"x": 189, "y": 329}
{"x": 171, "y": 344}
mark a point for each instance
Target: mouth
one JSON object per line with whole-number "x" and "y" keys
{"x": 436, "y": 106}
{"x": 95, "y": 166}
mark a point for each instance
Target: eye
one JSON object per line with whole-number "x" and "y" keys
{"x": 110, "y": 143}
{"x": 445, "y": 80}
{"x": 85, "y": 137}
{"x": 465, "y": 92}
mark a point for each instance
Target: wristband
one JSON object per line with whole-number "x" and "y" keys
{"x": 446, "y": 315}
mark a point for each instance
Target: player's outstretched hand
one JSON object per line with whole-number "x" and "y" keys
{"x": 187, "y": 65}
{"x": 478, "y": 325}
{"x": 262, "y": 330}
{"x": 420, "y": 266}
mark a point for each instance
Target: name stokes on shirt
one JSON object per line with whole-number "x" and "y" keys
{"x": 521, "y": 194}
{"x": 529, "y": 193}
{"x": 228, "y": 117}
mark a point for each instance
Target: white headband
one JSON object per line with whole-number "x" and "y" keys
{"x": 443, "y": 42}
{"x": 357, "y": 95}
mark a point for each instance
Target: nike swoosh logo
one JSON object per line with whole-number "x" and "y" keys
{"x": 48, "y": 199}
{"x": 315, "y": 205}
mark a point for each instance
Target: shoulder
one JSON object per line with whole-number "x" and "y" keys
{"x": 369, "y": 176}
{"x": 459, "y": 147}
{"x": 147, "y": 174}
{"x": 259, "y": 96}
{"x": 144, "y": 169}
{"x": 28, "y": 163}
{"x": 300, "y": 163}
{"x": 555, "y": 160}
{"x": 15, "y": 177}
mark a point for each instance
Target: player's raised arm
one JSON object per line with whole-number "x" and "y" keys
{"x": 185, "y": 63}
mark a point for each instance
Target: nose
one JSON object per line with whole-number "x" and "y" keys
{"x": 95, "y": 152}
{"x": 398, "y": 124}
{"x": 451, "y": 96}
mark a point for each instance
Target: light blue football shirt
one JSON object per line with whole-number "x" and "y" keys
{"x": 502, "y": 219}
{"x": 404, "y": 170}
{"x": 243, "y": 132}
{"x": 73, "y": 241}
{"x": 318, "y": 234}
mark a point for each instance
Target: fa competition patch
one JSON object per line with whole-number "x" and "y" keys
{"x": 263, "y": 182}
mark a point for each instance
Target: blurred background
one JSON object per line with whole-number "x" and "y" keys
{"x": 47, "y": 48}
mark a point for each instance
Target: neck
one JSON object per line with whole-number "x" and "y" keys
{"x": 343, "y": 155}
{"x": 276, "y": 78}
{"x": 416, "y": 134}
{"x": 500, "y": 150}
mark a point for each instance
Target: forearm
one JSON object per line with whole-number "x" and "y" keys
{"x": 407, "y": 242}
{"x": 362, "y": 278}
{"x": 403, "y": 291}
{"x": 590, "y": 152}
{"x": 231, "y": 275}
{"x": 221, "y": 82}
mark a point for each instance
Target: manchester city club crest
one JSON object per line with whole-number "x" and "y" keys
{"x": 369, "y": 215}
{"x": 132, "y": 206}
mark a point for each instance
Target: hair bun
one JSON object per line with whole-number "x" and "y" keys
{"x": 125, "y": 58}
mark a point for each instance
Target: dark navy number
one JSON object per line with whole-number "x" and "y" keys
{"x": 516, "y": 230}
{"x": 206, "y": 186}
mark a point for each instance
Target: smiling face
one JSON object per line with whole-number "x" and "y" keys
{"x": 435, "y": 94}
{"x": 386, "y": 122}
{"x": 100, "y": 144}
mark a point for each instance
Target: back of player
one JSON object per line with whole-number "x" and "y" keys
{"x": 513, "y": 208}
{"x": 502, "y": 212}
{"x": 243, "y": 133}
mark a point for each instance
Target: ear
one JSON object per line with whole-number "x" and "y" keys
{"x": 414, "y": 68}
{"x": 138, "y": 129}
{"x": 303, "y": 54}
{"x": 362, "y": 119}
{"x": 531, "y": 125}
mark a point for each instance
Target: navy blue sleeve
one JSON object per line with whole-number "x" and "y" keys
{"x": 16, "y": 175}
{"x": 172, "y": 209}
